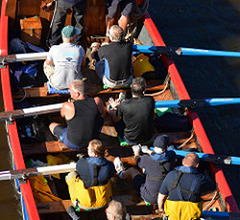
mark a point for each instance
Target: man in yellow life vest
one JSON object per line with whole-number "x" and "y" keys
{"x": 183, "y": 188}
{"x": 90, "y": 186}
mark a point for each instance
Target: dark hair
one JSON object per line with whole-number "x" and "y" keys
{"x": 97, "y": 147}
{"x": 138, "y": 86}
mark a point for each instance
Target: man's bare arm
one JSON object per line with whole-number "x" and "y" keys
{"x": 161, "y": 200}
{"x": 68, "y": 110}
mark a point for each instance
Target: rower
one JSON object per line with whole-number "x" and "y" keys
{"x": 90, "y": 187}
{"x": 64, "y": 61}
{"x": 113, "y": 60}
{"x": 84, "y": 117}
{"x": 183, "y": 188}
{"x": 156, "y": 164}
{"x": 134, "y": 117}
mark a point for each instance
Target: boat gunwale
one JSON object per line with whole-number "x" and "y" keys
{"x": 25, "y": 188}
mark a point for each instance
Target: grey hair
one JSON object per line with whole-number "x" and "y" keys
{"x": 116, "y": 33}
{"x": 118, "y": 210}
{"x": 79, "y": 86}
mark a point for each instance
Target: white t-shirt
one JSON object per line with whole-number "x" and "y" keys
{"x": 67, "y": 58}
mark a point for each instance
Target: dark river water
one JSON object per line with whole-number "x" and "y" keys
{"x": 204, "y": 24}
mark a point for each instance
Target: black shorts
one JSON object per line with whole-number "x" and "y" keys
{"x": 126, "y": 7}
{"x": 138, "y": 181}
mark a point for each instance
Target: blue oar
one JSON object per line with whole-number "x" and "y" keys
{"x": 218, "y": 159}
{"x": 197, "y": 102}
{"x": 183, "y": 51}
{"x": 219, "y": 215}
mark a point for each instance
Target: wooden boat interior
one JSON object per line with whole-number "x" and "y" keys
{"x": 42, "y": 143}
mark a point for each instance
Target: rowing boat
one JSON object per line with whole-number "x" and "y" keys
{"x": 170, "y": 87}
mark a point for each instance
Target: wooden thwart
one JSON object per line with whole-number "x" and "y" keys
{"x": 59, "y": 147}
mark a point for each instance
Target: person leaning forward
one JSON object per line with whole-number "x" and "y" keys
{"x": 136, "y": 115}
{"x": 90, "y": 186}
{"x": 155, "y": 163}
{"x": 183, "y": 188}
{"x": 84, "y": 117}
{"x": 113, "y": 60}
{"x": 64, "y": 61}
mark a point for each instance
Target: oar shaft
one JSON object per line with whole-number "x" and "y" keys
{"x": 228, "y": 160}
{"x": 25, "y": 112}
{"x": 23, "y": 57}
{"x": 197, "y": 102}
{"x": 139, "y": 48}
{"x": 202, "y": 52}
{"x": 38, "y": 171}
{"x": 183, "y": 51}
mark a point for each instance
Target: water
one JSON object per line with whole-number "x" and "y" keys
{"x": 205, "y": 24}
{"x": 211, "y": 24}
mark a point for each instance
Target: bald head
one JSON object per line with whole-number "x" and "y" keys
{"x": 191, "y": 160}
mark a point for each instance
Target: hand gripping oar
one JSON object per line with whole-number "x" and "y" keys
{"x": 183, "y": 51}
{"x": 45, "y": 109}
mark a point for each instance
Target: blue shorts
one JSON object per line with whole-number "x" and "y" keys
{"x": 126, "y": 7}
{"x": 61, "y": 133}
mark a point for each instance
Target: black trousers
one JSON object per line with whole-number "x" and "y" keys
{"x": 59, "y": 20}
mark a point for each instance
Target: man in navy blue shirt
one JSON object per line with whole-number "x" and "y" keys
{"x": 156, "y": 164}
{"x": 183, "y": 187}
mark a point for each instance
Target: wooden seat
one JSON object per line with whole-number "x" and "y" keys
{"x": 109, "y": 139}
{"x": 35, "y": 92}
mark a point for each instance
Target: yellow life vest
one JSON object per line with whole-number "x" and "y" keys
{"x": 93, "y": 197}
{"x": 182, "y": 210}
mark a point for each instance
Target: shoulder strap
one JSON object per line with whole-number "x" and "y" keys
{"x": 192, "y": 188}
{"x": 163, "y": 171}
{"x": 176, "y": 181}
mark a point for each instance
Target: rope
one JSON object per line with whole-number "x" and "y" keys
{"x": 187, "y": 140}
{"x": 211, "y": 202}
{"x": 160, "y": 92}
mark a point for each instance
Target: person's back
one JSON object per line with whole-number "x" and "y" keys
{"x": 118, "y": 55}
{"x": 156, "y": 167}
{"x": 137, "y": 114}
{"x": 90, "y": 186}
{"x": 67, "y": 58}
{"x": 63, "y": 63}
{"x": 113, "y": 60}
{"x": 184, "y": 187}
{"x": 86, "y": 124}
